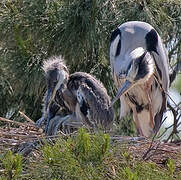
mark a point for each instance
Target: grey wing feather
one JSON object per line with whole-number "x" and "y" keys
{"x": 161, "y": 60}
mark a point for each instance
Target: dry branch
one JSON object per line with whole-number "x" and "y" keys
{"x": 18, "y": 123}
{"x": 26, "y": 117}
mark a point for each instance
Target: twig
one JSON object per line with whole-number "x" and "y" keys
{"x": 27, "y": 147}
{"x": 166, "y": 129}
{"x": 168, "y": 151}
{"x": 127, "y": 139}
{"x": 18, "y": 123}
{"x": 176, "y": 105}
{"x": 174, "y": 131}
{"x": 175, "y": 113}
{"x": 18, "y": 135}
{"x": 149, "y": 150}
{"x": 26, "y": 117}
{"x": 151, "y": 145}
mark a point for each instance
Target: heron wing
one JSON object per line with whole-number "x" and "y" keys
{"x": 161, "y": 62}
{"x": 156, "y": 47}
{"x": 83, "y": 110}
{"x": 96, "y": 107}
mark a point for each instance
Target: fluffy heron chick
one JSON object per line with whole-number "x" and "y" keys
{"x": 81, "y": 93}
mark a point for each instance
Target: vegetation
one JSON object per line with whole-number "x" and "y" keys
{"x": 79, "y": 30}
{"x": 31, "y": 31}
{"x": 84, "y": 156}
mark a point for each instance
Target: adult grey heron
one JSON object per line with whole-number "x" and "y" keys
{"x": 139, "y": 64}
{"x": 80, "y": 93}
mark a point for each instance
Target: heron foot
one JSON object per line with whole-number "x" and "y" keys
{"x": 66, "y": 123}
{"x": 40, "y": 122}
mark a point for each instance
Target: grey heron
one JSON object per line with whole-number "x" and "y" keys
{"x": 83, "y": 97}
{"x": 139, "y": 65}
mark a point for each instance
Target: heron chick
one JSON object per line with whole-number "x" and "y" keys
{"x": 139, "y": 64}
{"x": 82, "y": 94}
{"x": 54, "y": 71}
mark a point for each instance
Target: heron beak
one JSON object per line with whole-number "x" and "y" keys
{"x": 48, "y": 97}
{"x": 51, "y": 96}
{"x": 125, "y": 87}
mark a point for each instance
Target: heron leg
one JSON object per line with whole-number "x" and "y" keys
{"x": 55, "y": 123}
{"x": 137, "y": 124}
{"x": 135, "y": 118}
{"x": 152, "y": 123}
{"x": 72, "y": 122}
{"x": 47, "y": 126}
{"x": 147, "y": 89}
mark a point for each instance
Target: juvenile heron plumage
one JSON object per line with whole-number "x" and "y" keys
{"x": 80, "y": 93}
{"x": 139, "y": 64}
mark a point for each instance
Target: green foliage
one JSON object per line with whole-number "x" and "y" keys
{"x": 132, "y": 169}
{"x": 31, "y": 31}
{"x": 144, "y": 170}
{"x": 79, "y": 30}
{"x": 82, "y": 157}
{"x": 12, "y": 165}
{"x": 177, "y": 83}
{"x": 91, "y": 149}
{"x": 127, "y": 157}
{"x": 127, "y": 172}
{"x": 171, "y": 166}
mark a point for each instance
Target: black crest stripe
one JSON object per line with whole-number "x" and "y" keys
{"x": 152, "y": 41}
{"x": 114, "y": 34}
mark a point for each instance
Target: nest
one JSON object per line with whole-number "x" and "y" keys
{"x": 14, "y": 134}
{"x": 24, "y": 137}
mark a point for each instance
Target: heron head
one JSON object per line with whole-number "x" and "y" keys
{"x": 139, "y": 70}
{"x": 56, "y": 74}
